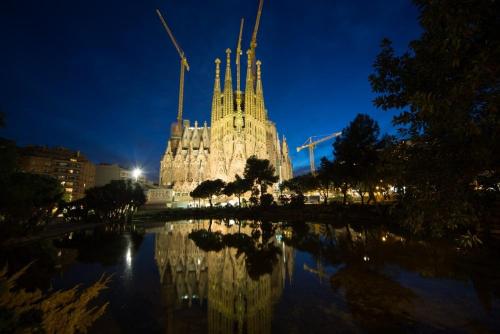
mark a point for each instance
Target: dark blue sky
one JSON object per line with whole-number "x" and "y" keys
{"x": 101, "y": 76}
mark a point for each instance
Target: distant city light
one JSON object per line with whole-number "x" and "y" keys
{"x": 136, "y": 173}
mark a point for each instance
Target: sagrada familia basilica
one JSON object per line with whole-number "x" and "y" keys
{"x": 239, "y": 128}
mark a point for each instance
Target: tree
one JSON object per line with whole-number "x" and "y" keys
{"x": 64, "y": 311}
{"x": 113, "y": 202}
{"x": 301, "y": 184}
{"x": 27, "y": 201}
{"x": 355, "y": 151}
{"x": 325, "y": 178}
{"x": 238, "y": 188}
{"x": 260, "y": 172}
{"x": 447, "y": 90}
{"x": 341, "y": 178}
{"x": 8, "y": 159}
{"x": 208, "y": 189}
{"x": 266, "y": 200}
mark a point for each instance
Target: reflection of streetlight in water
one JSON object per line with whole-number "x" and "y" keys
{"x": 128, "y": 257}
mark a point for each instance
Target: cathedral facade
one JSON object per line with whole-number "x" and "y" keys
{"x": 239, "y": 128}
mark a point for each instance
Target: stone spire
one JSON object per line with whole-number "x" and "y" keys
{"x": 249, "y": 94}
{"x": 259, "y": 95}
{"x": 216, "y": 97}
{"x": 284, "y": 148}
{"x": 228, "y": 86}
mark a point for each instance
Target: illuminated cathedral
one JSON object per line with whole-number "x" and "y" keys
{"x": 240, "y": 127}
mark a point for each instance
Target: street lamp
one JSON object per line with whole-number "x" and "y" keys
{"x": 136, "y": 173}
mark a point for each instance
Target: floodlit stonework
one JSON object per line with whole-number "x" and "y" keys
{"x": 240, "y": 127}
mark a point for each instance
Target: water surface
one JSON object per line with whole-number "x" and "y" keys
{"x": 251, "y": 277}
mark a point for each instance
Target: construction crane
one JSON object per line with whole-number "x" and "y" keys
{"x": 238, "y": 55}
{"x": 184, "y": 65}
{"x": 253, "y": 42}
{"x": 311, "y": 143}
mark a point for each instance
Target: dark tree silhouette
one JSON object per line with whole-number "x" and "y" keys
{"x": 208, "y": 189}
{"x": 261, "y": 173}
{"x": 356, "y": 151}
{"x": 238, "y": 188}
{"x": 26, "y": 202}
{"x": 447, "y": 89}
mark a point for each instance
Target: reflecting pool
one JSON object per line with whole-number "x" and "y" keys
{"x": 228, "y": 276}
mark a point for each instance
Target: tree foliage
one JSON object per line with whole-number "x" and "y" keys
{"x": 67, "y": 311}
{"x": 356, "y": 153}
{"x": 208, "y": 189}
{"x": 27, "y": 201}
{"x": 260, "y": 172}
{"x": 8, "y": 158}
{"x": 447, "y": 89}
{"x": 237, "y": 188}
{"x": 325, "y": 179}
{"x": 113, "y": 202}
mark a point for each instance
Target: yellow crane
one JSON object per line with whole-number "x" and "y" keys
{"x": 238, "y": 55}
{"x": 311, "y": 143}
{"x": 184, "y": 65}
{"x": 253, "y": 42}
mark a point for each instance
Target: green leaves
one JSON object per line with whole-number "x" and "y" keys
{"x": 448, "y": 91}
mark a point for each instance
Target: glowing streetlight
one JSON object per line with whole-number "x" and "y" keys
{"x": 136, "y": 173}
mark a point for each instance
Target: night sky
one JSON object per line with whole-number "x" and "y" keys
{"x": 101, "y": 76}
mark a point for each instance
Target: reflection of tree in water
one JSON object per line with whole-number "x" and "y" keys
{"x": 104, "y": 245}
{"x": 363, "y": 258}
{"x": 375, "y": 301}
{"x": 239, "y": 270}
{"x": 44, "y": 262}
{"x": 260, "y": 251}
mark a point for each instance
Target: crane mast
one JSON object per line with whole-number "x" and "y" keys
{"x": 184, "y": 66}
{"x": 238, "y": 62}
{"x": 311, "y": 144}
{"x": 253, "y": 42}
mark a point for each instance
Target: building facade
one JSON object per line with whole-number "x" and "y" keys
{"x": 105, "y": 173}
{"x": 75, "y": 172}
{"x": 240, "y": 127}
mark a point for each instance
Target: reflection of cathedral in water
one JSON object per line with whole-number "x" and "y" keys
{"x": 235, "y": 302}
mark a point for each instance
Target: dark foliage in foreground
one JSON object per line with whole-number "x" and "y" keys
{"x": 113, "y": 202}
{"x": 68, "y": 311}
{"x": 26, "y": 200}
{"x": 447, "y": 89}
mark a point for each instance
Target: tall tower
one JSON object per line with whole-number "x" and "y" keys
{"x": 240, "y": 127}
